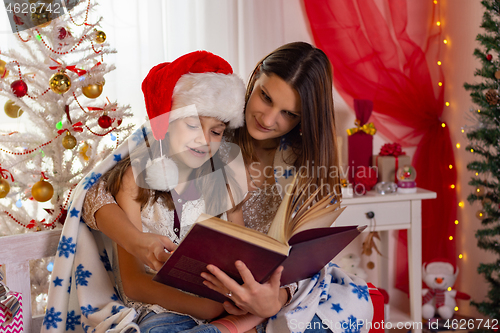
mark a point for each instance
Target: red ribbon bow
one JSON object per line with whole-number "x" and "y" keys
{"x": 106, "y": 107}
{"x": 76, "y": 127}
{"x": 5, "y": 173}
{"x": 391, "y": 149}
{"x": 72, "y": 68}
{"x": 33, "y": 224}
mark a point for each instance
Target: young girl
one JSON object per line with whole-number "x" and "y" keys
{"x": 170, "y": 207}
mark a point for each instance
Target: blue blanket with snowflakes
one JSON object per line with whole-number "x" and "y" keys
{"x": 342, "y": 302}
{"x": 82, "y": 297}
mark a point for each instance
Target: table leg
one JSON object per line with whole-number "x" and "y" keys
{"x": 415, "y": 265}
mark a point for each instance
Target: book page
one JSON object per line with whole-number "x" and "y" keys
{"x": 243, "y": 233}
{"x": 308, "y": 213}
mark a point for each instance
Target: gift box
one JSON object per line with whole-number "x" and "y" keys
{"x": 360, "y": 138}
{"x": 390, "y": 158}
{"x": 11, "y": 312}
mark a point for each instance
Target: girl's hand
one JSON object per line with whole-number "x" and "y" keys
{"x": 263, "y": 300}
{"x": 150, "y": 249}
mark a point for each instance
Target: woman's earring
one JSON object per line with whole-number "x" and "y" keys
{"x": 300, "y": 129}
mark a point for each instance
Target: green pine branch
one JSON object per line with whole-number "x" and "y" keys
{"x": 485, "y": 145}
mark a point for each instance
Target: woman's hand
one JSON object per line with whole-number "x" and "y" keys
{"x": 150, "y": 249}
{"x": 263, "y": 300}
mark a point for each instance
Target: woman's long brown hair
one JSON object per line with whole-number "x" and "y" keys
{"x": 308, "y": 71}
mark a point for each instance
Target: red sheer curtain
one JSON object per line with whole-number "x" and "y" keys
{"x": 374, "y": 58}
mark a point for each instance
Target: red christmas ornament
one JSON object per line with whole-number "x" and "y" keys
{"x": 489, "y": 57}
{"x": 62, "y": 33}
{"x": 105, "y": 121}
{"x": 19, "y": 88}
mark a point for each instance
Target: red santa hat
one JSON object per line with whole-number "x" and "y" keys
{"x": 196, "y": 84}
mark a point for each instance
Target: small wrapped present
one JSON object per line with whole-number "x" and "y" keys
{"x": 11, "y": 313}
{"x": 360, "y": 138}
{"x": 390, "y": 158}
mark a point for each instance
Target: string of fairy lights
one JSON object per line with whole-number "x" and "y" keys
{"x": 446, "y": 42}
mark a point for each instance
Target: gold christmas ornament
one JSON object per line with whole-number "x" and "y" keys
{"x": 486, "y": 201}
{"x": 370, "y": 265}
{"x": 93, "y": 90}
{"x": 60, "y": 83}
{"x": 85, "y": 151}
{"x": 41, "y": 16}
{"x": 497, "y": 75}
{"x": 3, "y": 71}
{"x": 4, "y": 188}
{"x": 100, "y": 36}
{"x": 481, "y": 214}
{"x": 42, "y": 191}
{"x": 12, "y": 110}
{"x": 492, "y": 97}
{"x": 69, "y": 141}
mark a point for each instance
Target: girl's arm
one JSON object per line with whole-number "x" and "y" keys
{"x": 139, "y": 285}
{"x": 243, "y": 323}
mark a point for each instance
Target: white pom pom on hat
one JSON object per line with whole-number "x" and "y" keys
{"x": 162, "y": 174}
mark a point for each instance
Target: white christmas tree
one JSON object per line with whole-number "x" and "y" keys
{"x": 54, "y": 80}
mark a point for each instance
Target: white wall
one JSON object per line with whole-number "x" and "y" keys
{"x": 461, "y": 21}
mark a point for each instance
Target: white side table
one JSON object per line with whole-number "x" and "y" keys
{"x": 394, "y": 212}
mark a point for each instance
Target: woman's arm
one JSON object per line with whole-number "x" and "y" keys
{"x": 147, "y": 247}
{"x": 139, "y": 285}
{"x": 101, "y": 212}
{"x": 236, "y": 216}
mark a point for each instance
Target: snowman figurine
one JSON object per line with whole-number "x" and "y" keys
{"x": 440, "y": 276}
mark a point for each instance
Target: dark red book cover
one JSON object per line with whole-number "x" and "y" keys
{"x": 310, "y": 251}
{"x": 203, "y": 246}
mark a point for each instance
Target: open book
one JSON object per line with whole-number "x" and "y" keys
{"x": 214, "y": 241}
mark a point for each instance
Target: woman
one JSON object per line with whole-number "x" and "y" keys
{"x": 289, "y": 122}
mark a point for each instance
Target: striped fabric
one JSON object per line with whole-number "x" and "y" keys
{"x": 11, "y": 314}
{"x": 438, "y": 293}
